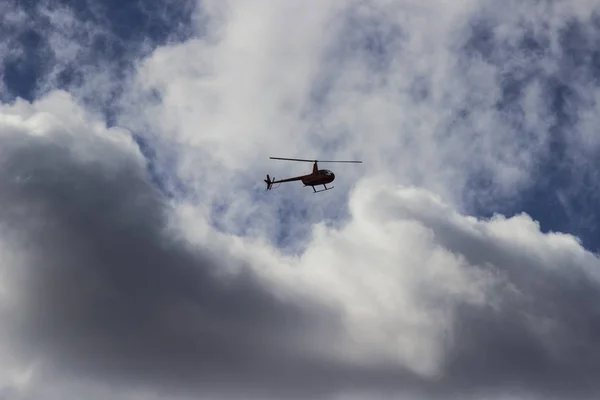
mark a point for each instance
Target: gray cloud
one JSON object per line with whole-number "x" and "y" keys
{"x": 538, "y": 331}
{"x": 107, "y": 287}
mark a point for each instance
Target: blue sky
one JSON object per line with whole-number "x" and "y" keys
{"x": 136, "y": 138}
{"x": 564, "y": 190}
{"x": 122, "y": 32}
{"x": 561, "y": 196}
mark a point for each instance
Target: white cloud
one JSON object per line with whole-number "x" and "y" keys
{"x": 393, "y": 87}
{"x": 420, "y": 288}
{"x": 399, "y": 272}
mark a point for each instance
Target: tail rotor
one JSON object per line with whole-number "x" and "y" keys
{"x": 269, "y": 182}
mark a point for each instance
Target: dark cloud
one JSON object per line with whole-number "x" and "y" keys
{"x": 109, "y": 291}
{"x": 109, "y": 288}
{"x": 539, "y": 332}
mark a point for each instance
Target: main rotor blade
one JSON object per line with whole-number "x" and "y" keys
{"x": 292, "y": 159}
{"x": 357, "y": 162}
{"x": 321, "y": 161}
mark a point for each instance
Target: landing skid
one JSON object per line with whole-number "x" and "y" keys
{"x": 322, "y": 190}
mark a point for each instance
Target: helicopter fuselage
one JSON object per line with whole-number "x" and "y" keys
{"x": 321, "y": 177}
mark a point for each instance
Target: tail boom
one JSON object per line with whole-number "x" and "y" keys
{"x": 270, "y": 181}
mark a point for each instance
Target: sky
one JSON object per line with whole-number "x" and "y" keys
{"x": 142, "y": 258}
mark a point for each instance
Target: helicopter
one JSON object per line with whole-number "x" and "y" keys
{"x": 316, "y": 178}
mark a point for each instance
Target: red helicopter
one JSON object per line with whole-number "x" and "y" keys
{"x": 317, "y": 177}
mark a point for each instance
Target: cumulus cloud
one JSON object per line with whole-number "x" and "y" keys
{"x": 384, "y": 286}
{"x": 99, "y": 265}
{"x": 103, "y": 279}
